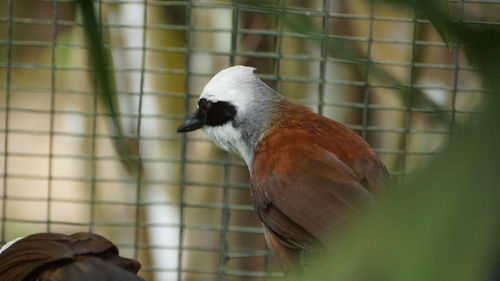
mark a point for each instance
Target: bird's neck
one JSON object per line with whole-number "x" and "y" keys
{"x": 256, "y": 125}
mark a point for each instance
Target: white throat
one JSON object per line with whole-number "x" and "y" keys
{"x": 229, "y": 138}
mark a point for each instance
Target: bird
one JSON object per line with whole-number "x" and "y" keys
{"x": 82, "y": 256}
{"x": 309, "y": 175}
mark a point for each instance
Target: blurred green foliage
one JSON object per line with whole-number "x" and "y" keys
{"x": 127, "y": 148}
{"x": 444, "y": 225}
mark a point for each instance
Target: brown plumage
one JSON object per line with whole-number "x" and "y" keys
{"x": 309, "y": 175}
{"x": 58, "y": 257}
{"x": 305, "y": 189}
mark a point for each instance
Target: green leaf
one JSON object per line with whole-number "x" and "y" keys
{"x": 127, "y": 148}
{"x": 445, "y": 224}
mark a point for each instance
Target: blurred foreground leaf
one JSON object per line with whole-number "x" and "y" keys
{"x": 445, "y": 225}
{"x": 127, "y": 148}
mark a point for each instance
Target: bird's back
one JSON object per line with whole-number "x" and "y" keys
{"x": 295, "y": 127}
{"x": 310, "y": 175}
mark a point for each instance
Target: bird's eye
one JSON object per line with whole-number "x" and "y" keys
{"x": 204, "y": 105}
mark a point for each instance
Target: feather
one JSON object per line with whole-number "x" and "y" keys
{"x": 52, "y": 256}
{"x": 308, "y": 189}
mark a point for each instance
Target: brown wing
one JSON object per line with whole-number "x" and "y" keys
{"x": 310, "y": 174}
{"x": 312, "y": 194}
{"x": 372, "y": 173}
{"x": 53, "y": 253}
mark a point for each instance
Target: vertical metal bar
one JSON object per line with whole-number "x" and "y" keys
{"x": 52, "y": 114}
{"x": 277, "y": 72}
{"x": 183, "y": 169}
{"x": 409, "y": 94}
{"x": 456, "y": 72}
{"x": 366, "y": 92}
{"x": 234, "y": 32}
{"x": 138, "y": 203}
{"x": 279, "y": 44}
{"x": 10, "y": 7}
{"x": 223, "y": 248}
{"x": 324, "y": 55}
{"x": 93, "y": 164}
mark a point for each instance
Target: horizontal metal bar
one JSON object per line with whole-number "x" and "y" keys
{"x": 122, "y": 180}
{"x": 90, "y": 135}
{"x": 90, "y": 69}
{"x": 70, "y": 91}
{"x": 283, "y": 78}
{"x": 250, "y": 54}
{"x": 242, "y": 31}
{"x": 88, "y": 157}
{"x": 210, "y": 162}
{"x": 225, "y": 30}
{"x": 264, "y": 76}
{"x": 143, "y": 181}
{"x": 145, "y": 137}
{"x": 92, "y": 114}
{"x": 215, "y": 271}
{"x": 96, "y": 223}
{"x": 224, "y": 5}
{"x": 231, "y": 253}
{"x": 185, "y": 204}
{"x": 389, "y": 108}
{"x": 214, "y": 52}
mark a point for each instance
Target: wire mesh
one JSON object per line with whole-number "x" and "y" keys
{"x": 188, "y": 216}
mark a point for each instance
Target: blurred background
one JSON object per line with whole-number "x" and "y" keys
{"x": 75, "y": 157}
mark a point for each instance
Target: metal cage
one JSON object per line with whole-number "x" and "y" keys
{"x": 380, "y": 69}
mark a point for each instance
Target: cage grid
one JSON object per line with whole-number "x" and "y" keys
{"x": 189, "y": 216}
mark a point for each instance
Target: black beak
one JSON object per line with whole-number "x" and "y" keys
{"x": 194, "y": 123}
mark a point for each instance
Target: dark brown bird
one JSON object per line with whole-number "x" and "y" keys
{"x": 57, "y": 257}
{"x": 309, "y": 175}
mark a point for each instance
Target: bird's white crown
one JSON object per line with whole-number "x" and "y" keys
{"x": 234, "y": 85}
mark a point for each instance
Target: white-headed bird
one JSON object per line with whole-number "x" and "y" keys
{"x": 309, "y": 175}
